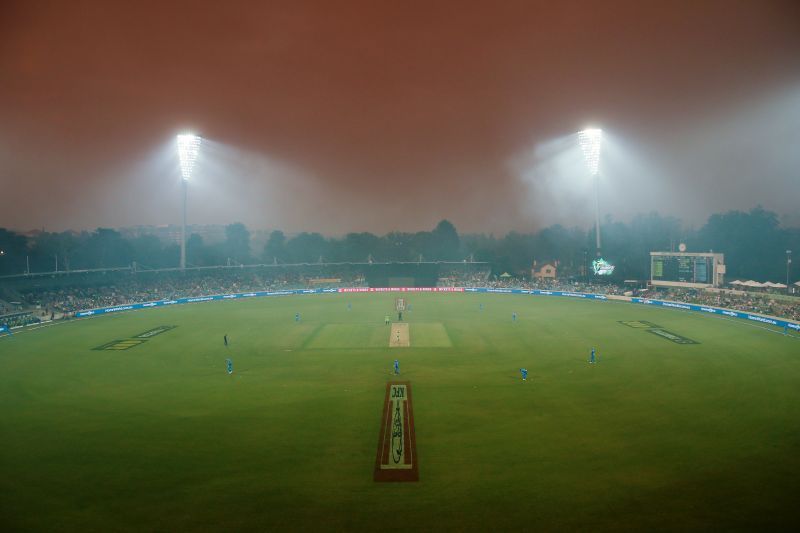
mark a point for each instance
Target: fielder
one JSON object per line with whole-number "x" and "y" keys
{"x": 229, "y": 366}
{"x": 396, "y": 367}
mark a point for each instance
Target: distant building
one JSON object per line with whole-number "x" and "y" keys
{"x": 211, "y": 233}
{"x": 545, "y": 271}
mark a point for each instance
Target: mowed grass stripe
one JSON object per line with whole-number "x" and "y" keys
{"x": 429, "y": 335}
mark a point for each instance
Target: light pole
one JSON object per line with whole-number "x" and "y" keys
{"x": 188, "y": 149}
{"x": 590, "y": 140}
{"x": 788, "y": 267}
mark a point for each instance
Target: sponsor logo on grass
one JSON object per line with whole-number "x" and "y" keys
{"x": 674, "y": 337}
{"x": 153, "y": 332}
{"x": 136, "y": 340}
{"x": 638, "y": 324}
{"x": 396, "y": 459}
{"x": 123, "y": 344}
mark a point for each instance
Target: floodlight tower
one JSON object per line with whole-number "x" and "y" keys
{"x": 188, "y": 149}
{"x": 590, "y": 140}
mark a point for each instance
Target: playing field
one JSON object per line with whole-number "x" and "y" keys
{"x": 104, "y": 431}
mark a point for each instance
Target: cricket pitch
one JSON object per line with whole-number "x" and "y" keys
{"x": 400, "y": 336}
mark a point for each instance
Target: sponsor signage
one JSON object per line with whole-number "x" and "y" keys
{"x": 589, "y": 296}
{"x": 398, "y": 289}
{"x": 601, "y": 267}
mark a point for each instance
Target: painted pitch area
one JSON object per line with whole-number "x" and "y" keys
{"x": 655, "y": 435}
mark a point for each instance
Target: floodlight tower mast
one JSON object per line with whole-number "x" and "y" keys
{"x": 188, "y": 149}
{"x": 590, "y": 140}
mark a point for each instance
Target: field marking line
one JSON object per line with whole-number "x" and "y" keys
{"x": 740, "y": 321}
{"x": 400, "y": 335}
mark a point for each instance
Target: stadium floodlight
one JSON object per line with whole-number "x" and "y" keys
{"x": 188, "y": 150}
{"x": 590, "y": 140}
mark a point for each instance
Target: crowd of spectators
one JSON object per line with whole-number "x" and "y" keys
{"x": 510, "y": 282}
{"x": 62, "y": 300}
{"x": 18, "y": 319}
{"x": 65, "y": 301}
{"x": 759, "y": 303}
{"x": 455, "y": 278}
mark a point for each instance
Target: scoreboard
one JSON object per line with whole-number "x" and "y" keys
{"x": 686, "y": 269}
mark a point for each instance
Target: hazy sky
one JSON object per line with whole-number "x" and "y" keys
{"x": 342, "y": 116}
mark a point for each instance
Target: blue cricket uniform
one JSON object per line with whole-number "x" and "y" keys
{"x": 297, "y": 317}
{"x": 524, "y": 372}
{"x": 229, "y": 366}
{"x": 396, "y": 366}
{"x": 514, "y": 317}
{"x": 591, "y": 357}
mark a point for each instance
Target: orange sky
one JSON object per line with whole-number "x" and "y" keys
{"x": 394, "y": 115}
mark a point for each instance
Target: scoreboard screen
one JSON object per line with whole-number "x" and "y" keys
{"x": 682, "y": 269}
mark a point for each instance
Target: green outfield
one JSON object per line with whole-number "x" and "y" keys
{"x": 115, "y": 424}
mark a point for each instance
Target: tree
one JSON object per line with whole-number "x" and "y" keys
{"x": 14, "y": 249}
{"x": 194, "y": 250}
{"x": 753, "y": 244}
{"x": 149, "y": 252}
{"x": 306, "y": 248}
{"x": 357, "y": 247}
{"x": 275, "y": 248}
{"x": 444, "y": 242}
{"x": 237, "y": 242}
{"x": 104, "y": 248}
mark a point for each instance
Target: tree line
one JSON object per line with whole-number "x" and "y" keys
{"x": 753, "y": 242}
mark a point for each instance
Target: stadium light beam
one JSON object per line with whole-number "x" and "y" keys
{"x": 591, "y": 140}
{"x": 188, "y": 150}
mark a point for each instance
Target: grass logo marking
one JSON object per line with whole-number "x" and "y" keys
{"x": 153, "y": 332}
{"x": 655, "y": 329}
{"x": 396, "y": 459}
{"x": 638, "y": 324}
{"x": 136, "y": 340}
{"x": 123, "y": 344}
{"x": 674, "y": 337}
